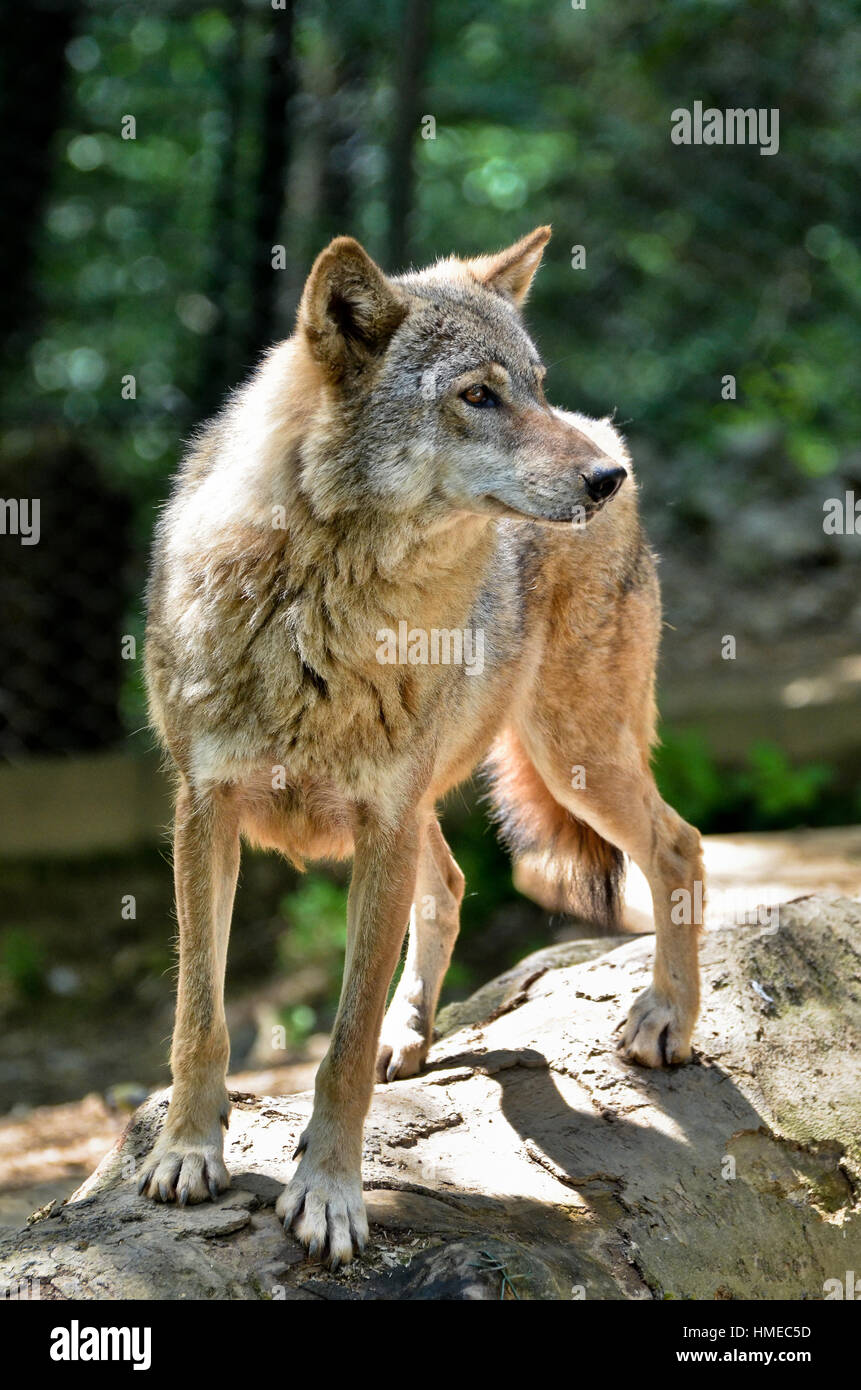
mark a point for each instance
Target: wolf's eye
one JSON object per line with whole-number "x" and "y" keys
{"x": 478, "y": 395}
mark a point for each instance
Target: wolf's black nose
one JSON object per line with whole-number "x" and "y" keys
{"x": 602, "y": 483}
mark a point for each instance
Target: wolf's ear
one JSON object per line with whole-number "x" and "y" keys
{"x": 349, "y": 310}
{"x": 510, "y": 271}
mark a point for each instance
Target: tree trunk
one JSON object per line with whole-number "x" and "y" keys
{"x": 33, "y": 69}
{"x": 271, "y": 182}
{"x": 218, "y": 359}
{"x": 413, "y": 48}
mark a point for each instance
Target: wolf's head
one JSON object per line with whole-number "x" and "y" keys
{"x": 431, "y": 395}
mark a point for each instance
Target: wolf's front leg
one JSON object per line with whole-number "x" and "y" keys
{"x": 323, "y": 1201}
{"x": 187, "y": 1161}
{"x": 434, "y": 922}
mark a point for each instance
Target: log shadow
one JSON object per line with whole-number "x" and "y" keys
{"x": 607, "y": 1150}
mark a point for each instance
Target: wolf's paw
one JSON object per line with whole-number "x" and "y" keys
{"x": 656, "y": 1033}
{"x": 326, "y": 1211}
{"x": 404, "y": 1042}
{"x": 184, "y": 1171}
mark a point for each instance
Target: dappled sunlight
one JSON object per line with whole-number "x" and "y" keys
{"x": 839, "y": 680}
{"x": 748, "y": 872}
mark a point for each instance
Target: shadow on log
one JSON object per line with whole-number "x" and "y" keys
{"x": 528, "y": 1161}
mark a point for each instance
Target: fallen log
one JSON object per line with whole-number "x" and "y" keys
{"x": 529, "y": 1161}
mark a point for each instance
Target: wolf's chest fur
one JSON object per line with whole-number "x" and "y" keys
{"x": 267, "y": 648}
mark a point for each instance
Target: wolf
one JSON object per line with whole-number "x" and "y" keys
{"x": 395, "y": 462}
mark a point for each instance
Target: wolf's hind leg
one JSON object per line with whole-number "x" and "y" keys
{"x": 434, "y": 922}
{"x": 187, "y": 1161}
{"x": 621, "y": 802}
{"x": 660, "y": 1023}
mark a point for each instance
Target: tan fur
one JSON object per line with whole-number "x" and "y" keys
{"x": 350, "y": 486}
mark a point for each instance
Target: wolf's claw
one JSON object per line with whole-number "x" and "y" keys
{"x": 655, "y": 1032}
{"x": 326, "y": 1212}
{"x": 184, "y": 1172}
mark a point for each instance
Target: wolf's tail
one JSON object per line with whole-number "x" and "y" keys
{"x": 559, "y": 860}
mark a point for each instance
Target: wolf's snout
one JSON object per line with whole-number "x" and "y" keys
{"x": 603, "y": 483}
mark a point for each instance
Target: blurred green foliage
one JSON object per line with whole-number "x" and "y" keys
{"x": 699, "y": 260}
{"x": 22, "y": 965}
{"x": 767, "y": 793}
{"x": 315, "y": 914}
